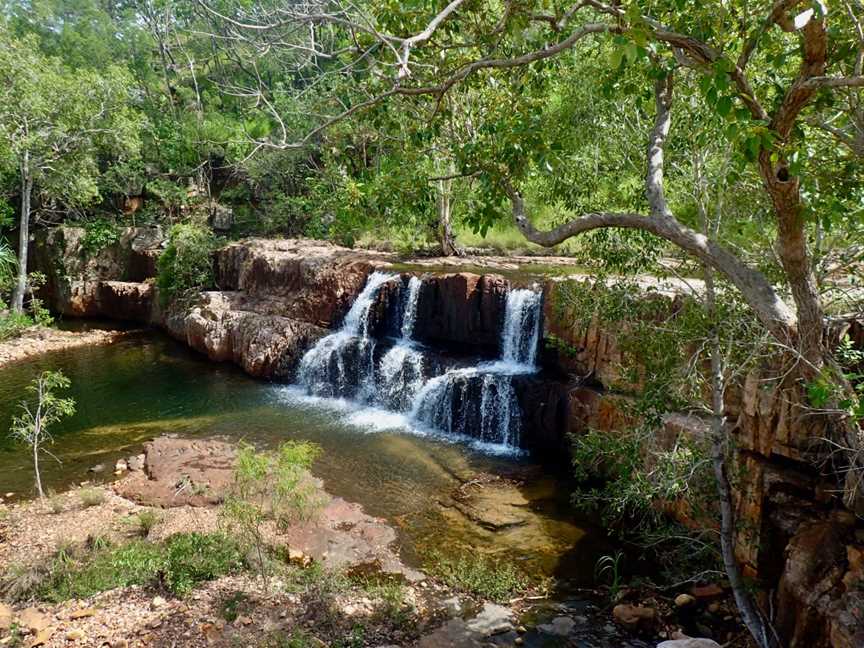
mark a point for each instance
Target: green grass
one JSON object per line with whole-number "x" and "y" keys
{"x": 177, "y": 564}
{"x": 484, "y": 577}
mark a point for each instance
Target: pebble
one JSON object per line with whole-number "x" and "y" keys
{"x": 684, "y": 600}
{"x": 74, "y": 635}
{"x": 157, "y": 602}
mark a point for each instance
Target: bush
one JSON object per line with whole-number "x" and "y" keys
{"x": 273, "y": 486}
{"x": 186, "y": 265}
{"x": 195, "y": 557}
{"x": 484, "y": 577}
{"x": 91, "y": 497}
{"x": 99, "y": 233}
{"x": 13, "y": 325}
{"x": 177, "y": 564}
{"x": 146, "y": 521}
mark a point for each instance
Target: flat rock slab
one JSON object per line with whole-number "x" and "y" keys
{"x": 181, "y": 472}
{"x": 492, "y": 620}
{"x": 343, "y": 536}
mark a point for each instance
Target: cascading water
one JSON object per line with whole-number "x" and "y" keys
{"x": 477, "y": 401}
{"x": 401, "y": 370}
{"x": 342, "y": 364}
{"x": 482, "y": 398}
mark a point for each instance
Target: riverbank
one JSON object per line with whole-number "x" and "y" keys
{"x": 37, "y": 340}
{"x": 76, "y": 576}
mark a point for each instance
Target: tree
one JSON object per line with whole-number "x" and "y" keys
{"x": 31, "y": 427}
{"x": 772, "y": 73}
{"x": 53, "y": 124}
{"x": 270, "y": 486}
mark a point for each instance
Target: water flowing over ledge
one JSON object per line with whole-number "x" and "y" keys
{"x": 399, "y": 384}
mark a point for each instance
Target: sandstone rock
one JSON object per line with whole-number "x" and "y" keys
{"x": 6, "y": 615}
{"x": 41, "y": 637}
{"x": 684, "y": 600}
{"x": 33, "y": 620}
{"x": 297, "y": 557}
{"x": 181, "y": 472}
{"x": 706, "y": 592}
{"x": 157, "y": 602}
{"x": 492, "y": 620}
{"x": 462, "y": 309}
{"x": 82, "y": 613}
{"x": 221, "y": 218}
{"x": 75, "y": 635}
{"x": 689, "y": 643}
{"x": 633, "y": 616}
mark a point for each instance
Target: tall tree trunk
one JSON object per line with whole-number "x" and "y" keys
{"x": 445, "y": 226}
{"x": 23, "y": 235}
{"x": 750, "y": 614}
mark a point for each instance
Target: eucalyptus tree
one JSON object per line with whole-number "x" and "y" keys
{"x": 783, "y": 74}
{"x": 54, "y": 122}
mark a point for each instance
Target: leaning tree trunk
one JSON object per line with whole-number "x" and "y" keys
{"x": 23, "y": 235}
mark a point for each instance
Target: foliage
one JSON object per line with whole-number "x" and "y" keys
{"x": 91, "y": 497}
{"x": 609, "y": 568}
{"x": 147, "y": 521}
{"x": 178, "y": 564}
{"x": 31, "y": 426}
{"x": 195, "y": 557}
{"x": 99, "y": 233}
{"x": 8, "y": 267}
{"x": 272, "y": 486}
{"x": 481, "y": 576}
{"x": 14, "y": 324}
{"x": 186, "y": 264}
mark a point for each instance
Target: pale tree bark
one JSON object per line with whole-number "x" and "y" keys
{"x": 762, "y": 297}
{"x": 752, "y": 617}
{"x": 444, "y": 195}
{"x": 23, "y": 234}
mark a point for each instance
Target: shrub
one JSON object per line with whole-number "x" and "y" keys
{"x": 13, "y": 325}
{"x": 195, "y": 557}
{"x": 91, "y": 497}
{"x": 270, "y": 486}
{"x": 146, "y": 521}
{"x": 99, "y": 233}
{"x": 485, "y": 577}
{"x": 186, "y": 265}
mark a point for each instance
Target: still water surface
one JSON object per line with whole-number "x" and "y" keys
{"x": 147, "y": 385}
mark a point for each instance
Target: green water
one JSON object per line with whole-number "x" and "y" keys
{"x": 147, "y": 385}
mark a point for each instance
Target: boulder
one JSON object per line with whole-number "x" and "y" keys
{"x": 689, "y": 643}
{"x": 33, "y": 620}
{"x": 634, "y": 616}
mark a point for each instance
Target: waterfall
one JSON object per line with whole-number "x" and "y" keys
{"x": 521, "y": 332}
{"x": 398, "y": 379}
{"x": 482, "y": 399}
{"x": 401, "y": 369}
{"x": 409, "y": 317}
{"x": 342, "y": 364}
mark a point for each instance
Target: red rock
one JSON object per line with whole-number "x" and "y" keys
{"x": 703, "y": 592}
